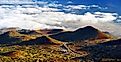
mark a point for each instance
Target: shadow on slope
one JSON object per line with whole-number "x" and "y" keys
{"x": 6, "y": 38}
{"x": 110, "y": 50}
{"x": 85, "y": 33}
{"x": 27, "y": 37}
{"x": 37, "y": 41}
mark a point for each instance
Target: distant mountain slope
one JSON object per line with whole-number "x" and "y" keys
{"x": 56, "y": 36}
{"x": 7, "y": 38}
{"x": 28, "y": 37}
{"x": 85, "y": 33}
{"x": 40, "y": 40}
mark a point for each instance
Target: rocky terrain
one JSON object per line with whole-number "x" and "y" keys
{"x": 57, "y": 45}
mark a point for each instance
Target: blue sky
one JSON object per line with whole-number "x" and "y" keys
{"x": 113, "y": 5}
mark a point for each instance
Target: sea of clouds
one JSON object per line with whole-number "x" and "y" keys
{"x": 49, "y": 16}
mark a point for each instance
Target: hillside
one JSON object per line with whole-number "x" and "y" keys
{"x": 86, "y": 33}
{"x": 55, "y": 44}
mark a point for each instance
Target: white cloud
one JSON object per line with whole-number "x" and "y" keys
{"x": 82, "y": 6}
{"x": 69, "y": 2}
{"x": 55, "y": 5}
{"x": 21, "y": 2}
{"x": 76, "y": 6}
{"x": 45, "y": 17}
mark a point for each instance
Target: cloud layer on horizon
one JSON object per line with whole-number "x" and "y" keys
{"x": 29, "y": 17}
